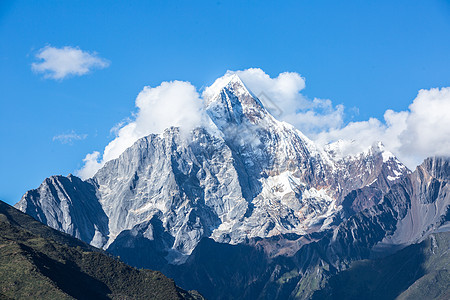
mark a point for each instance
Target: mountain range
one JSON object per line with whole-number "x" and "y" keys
{"x": 246, "y": 206}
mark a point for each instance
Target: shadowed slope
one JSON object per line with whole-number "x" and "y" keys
{"x": 39, "y": 262}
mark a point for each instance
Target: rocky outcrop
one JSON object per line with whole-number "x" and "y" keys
{"x": 70, "y": 205}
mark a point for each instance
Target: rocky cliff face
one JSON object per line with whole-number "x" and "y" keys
{"x": 70, "y": 205}
{"x": 424, "y": 196}
{"x": 308, "y": 266}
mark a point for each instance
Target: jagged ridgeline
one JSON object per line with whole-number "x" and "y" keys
{"x": 246, "y": 206}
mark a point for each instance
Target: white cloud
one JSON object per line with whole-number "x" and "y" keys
{"x": 319, "y": 116}
{"x": 428, "y": 124}
{"x": 91, "y": 165}
{"x": 174, "y": 103}
{"x": 58, "y": 63}
{"x": 419, "y": 132}
{"x": 69, "y": 138}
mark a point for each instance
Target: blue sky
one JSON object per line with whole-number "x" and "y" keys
{"x": 369, "y": 56}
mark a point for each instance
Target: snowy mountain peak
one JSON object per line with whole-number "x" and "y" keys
{"x": 235, "y": 79}
{"x": 231, "y": 103}
{"x": 226, "y": 82}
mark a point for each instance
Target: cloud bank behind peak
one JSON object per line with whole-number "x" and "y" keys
{"x": 412, "y": 135}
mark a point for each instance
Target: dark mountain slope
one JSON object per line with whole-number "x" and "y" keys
{"x": 39, "y": 262}
{"x": 295, "y": 267}
{"x": 419, "y": 271}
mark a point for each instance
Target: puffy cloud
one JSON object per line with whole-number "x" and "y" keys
{"x": 69, "y": 138}
{"x": 427, "y": 129}
{"x": 319, "y": 116}
{"x": 421, "y": 131}
{"x": 174, "y": 103}
{"x": 58, "y": 63}
{"x": 91, "y": 165}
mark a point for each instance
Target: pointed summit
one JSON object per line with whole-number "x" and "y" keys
{"x": 230, "y": 81}
{"x": 238, "y": 85}
{"x": 229, "y": 101}
{"x": 234, "y": 78}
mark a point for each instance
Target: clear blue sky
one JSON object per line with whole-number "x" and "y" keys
{"x": 372, "y": 55}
